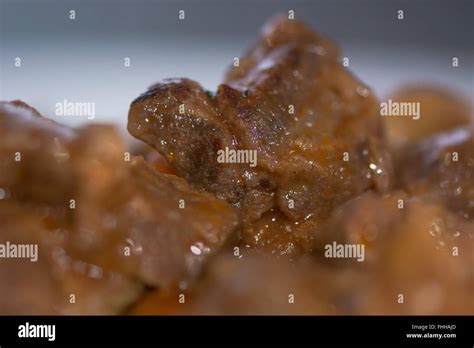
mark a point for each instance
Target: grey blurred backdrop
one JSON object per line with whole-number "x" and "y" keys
{"x": 83, "y": 59}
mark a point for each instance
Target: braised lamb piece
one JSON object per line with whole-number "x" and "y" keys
{"x": 313, "y": 126}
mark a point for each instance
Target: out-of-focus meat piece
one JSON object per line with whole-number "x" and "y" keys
{"x": 131, "y": 207}
{"x": 440, "y": 111}
{"x": 56, "y": 283}
{"x": 408, "y": 251}
{"x": 420, "y": 251}
{"x": 120, "y": 215}
{"x": 453, "y": 176}
{"x": 142, "y": 212}
{"x": 33, "y": 155}
{"x": 255, "y": 285}
{"x": 314, "y": 127}
{"x": 366, "y": 219}
{"x": 442, "y": 165}
{"x": 427, "y": 259}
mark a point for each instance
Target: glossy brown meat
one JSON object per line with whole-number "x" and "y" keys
{"x": 313, "y": 126}
{"x": 192, "y": 140}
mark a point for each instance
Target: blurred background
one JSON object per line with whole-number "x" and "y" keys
{"x": 82, "y": 60}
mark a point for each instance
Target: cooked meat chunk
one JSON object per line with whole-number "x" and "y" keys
{"x": 420, "y": 263}
{"x": 112, "y": 211}
{"x": 365, "y": 220}
{"x": 440, "y": 111}
{"x": 417, "y": 249}
{"x": 428, "y": 260}
{"x": 37, "y": 183}
{"x": 192, "y": 140}
{"x": 49, "y": 280}
{"x": 150, "y": 225}
{"x": 453, "y": 177}
{"x": 33, "y": 155}
{"x": 314, "y": 128}
{"x": 443, "y": 165}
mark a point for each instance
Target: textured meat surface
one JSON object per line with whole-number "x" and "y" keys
{"x": 314, "y": 128}
{"x": 191, "y": 139}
